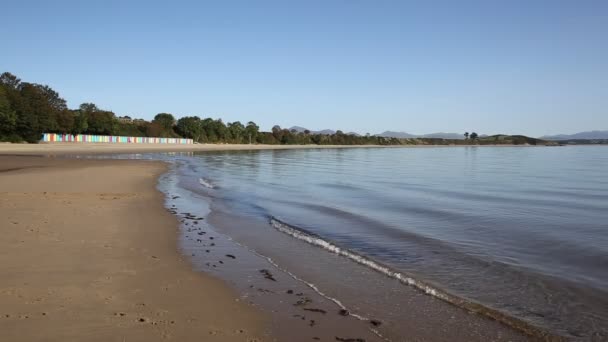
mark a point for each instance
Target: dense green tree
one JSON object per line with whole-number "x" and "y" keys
{"x": 9, "y": 80}
{"x": 237, "y": 131}
{"x": 190, "y": 127}
{"x": 65, "y": 121}
{"x": 287, "y": 138}
{"x": 277, "y": 133}
{"x": 208, "y": 131}
{"x": 474, "y": 136}
{"x": 266, "y": 138}
{"x": 251, "y": 132}
{"x": 37, "y": 109}
{"x": 8, "y": 118}
{"x": 9, "y": 88}
{"x": 130, "y": 129}
{"x": 154, "y": 129}
{"x": 53, "y": 100}
{"x": 88, "y": 108}
{"x": 93, "y": 120}
{"x": 166, "y": 120}
{"x": 81, "y": 122}
{"x": 220, "y": 130}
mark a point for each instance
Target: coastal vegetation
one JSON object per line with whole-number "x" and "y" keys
{"x": 28, "y": 109}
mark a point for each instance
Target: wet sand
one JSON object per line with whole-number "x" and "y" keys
{"x": 108, "y": 148}
{"x": 88, "y": 253}
{"x": 101, "y": 148}
{"x": 310, "y": 294}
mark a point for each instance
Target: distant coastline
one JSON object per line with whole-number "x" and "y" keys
{"x": 111, "y": 148}
{"x": 30, "y": 111}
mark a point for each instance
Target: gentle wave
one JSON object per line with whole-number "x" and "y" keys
{"x": 432, "y": 290}
{"x": 312, "y": 286}
{"x": 206, "y": 183}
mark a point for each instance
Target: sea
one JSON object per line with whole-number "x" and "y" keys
{"x": 518, "y": 235}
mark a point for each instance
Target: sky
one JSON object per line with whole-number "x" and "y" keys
{"x": 529, "y": 67}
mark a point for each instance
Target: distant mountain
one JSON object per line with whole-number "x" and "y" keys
{"x": 300, "y": 129}
{"x": 392, "y": 134}
{"x": 405, "y": 135}
{"x": 581, "y": 135}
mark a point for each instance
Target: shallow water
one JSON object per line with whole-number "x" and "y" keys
{"x": 379, "y": 309}
{"x": 522, "y": 231}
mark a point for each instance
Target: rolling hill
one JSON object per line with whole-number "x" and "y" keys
{"x": 600, "y": 135}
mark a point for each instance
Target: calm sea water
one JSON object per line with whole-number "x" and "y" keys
{"x": 523, "y": 231}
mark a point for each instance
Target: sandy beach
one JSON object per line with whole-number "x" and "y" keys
{"x": 88, "y": 253}
{"x": 109, "y": 148}
{"x": 101, "y": 148}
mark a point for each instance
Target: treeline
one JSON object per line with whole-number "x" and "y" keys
{"x": 28, "y": 109}
{"x": 498, "y": 139}
{"x": 215, "y": 131}
{"x": 582, "y": 142}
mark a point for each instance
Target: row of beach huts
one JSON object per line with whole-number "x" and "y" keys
{"x": 87, "y": 138}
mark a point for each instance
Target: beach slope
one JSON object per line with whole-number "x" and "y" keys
{"x": 88, "y": 253}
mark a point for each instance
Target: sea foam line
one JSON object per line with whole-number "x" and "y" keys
{"x": 205, "y": 183}
{"x": 317, "y": 241}
{"x": 311, "y": 286}
{"x": 471, "y": 306}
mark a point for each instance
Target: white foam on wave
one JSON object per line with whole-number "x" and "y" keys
{"x": 317, "y": 241}
{"x": 205, "y": 183}
{"x": 312, "y": 286}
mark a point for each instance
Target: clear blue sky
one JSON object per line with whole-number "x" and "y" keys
{"x": 532, "y": 67}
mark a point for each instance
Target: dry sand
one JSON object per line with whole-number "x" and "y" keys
{"x": 95, "y": 148}
{"x": 108, "y": 148}
{"x": 88, "y": 253}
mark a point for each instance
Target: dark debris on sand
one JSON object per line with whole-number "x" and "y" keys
{"x": 316, "y": 310}
{"x": 342, "y": 339}
{"x": 267, "y": 274}
{"x": 303, "y": 302}
{"x": 375, "y": 322}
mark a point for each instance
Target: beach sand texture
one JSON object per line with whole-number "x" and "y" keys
{"x": 115, "y": 148}
{"x": 88, "y": 253}
{"x": 101, "y": 148}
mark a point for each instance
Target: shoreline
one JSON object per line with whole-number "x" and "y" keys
{"x": 327, "y": 292}
{"x": 30, "y": 166}
{"x": 428, "y": 288}
{"x": 78, "y": 264}
{"x": 115, "y": 148}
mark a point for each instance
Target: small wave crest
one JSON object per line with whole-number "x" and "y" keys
{"x": 315, "y": 240}
{"x": 206, "y": 183}
{"x": 312, "y": 286}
